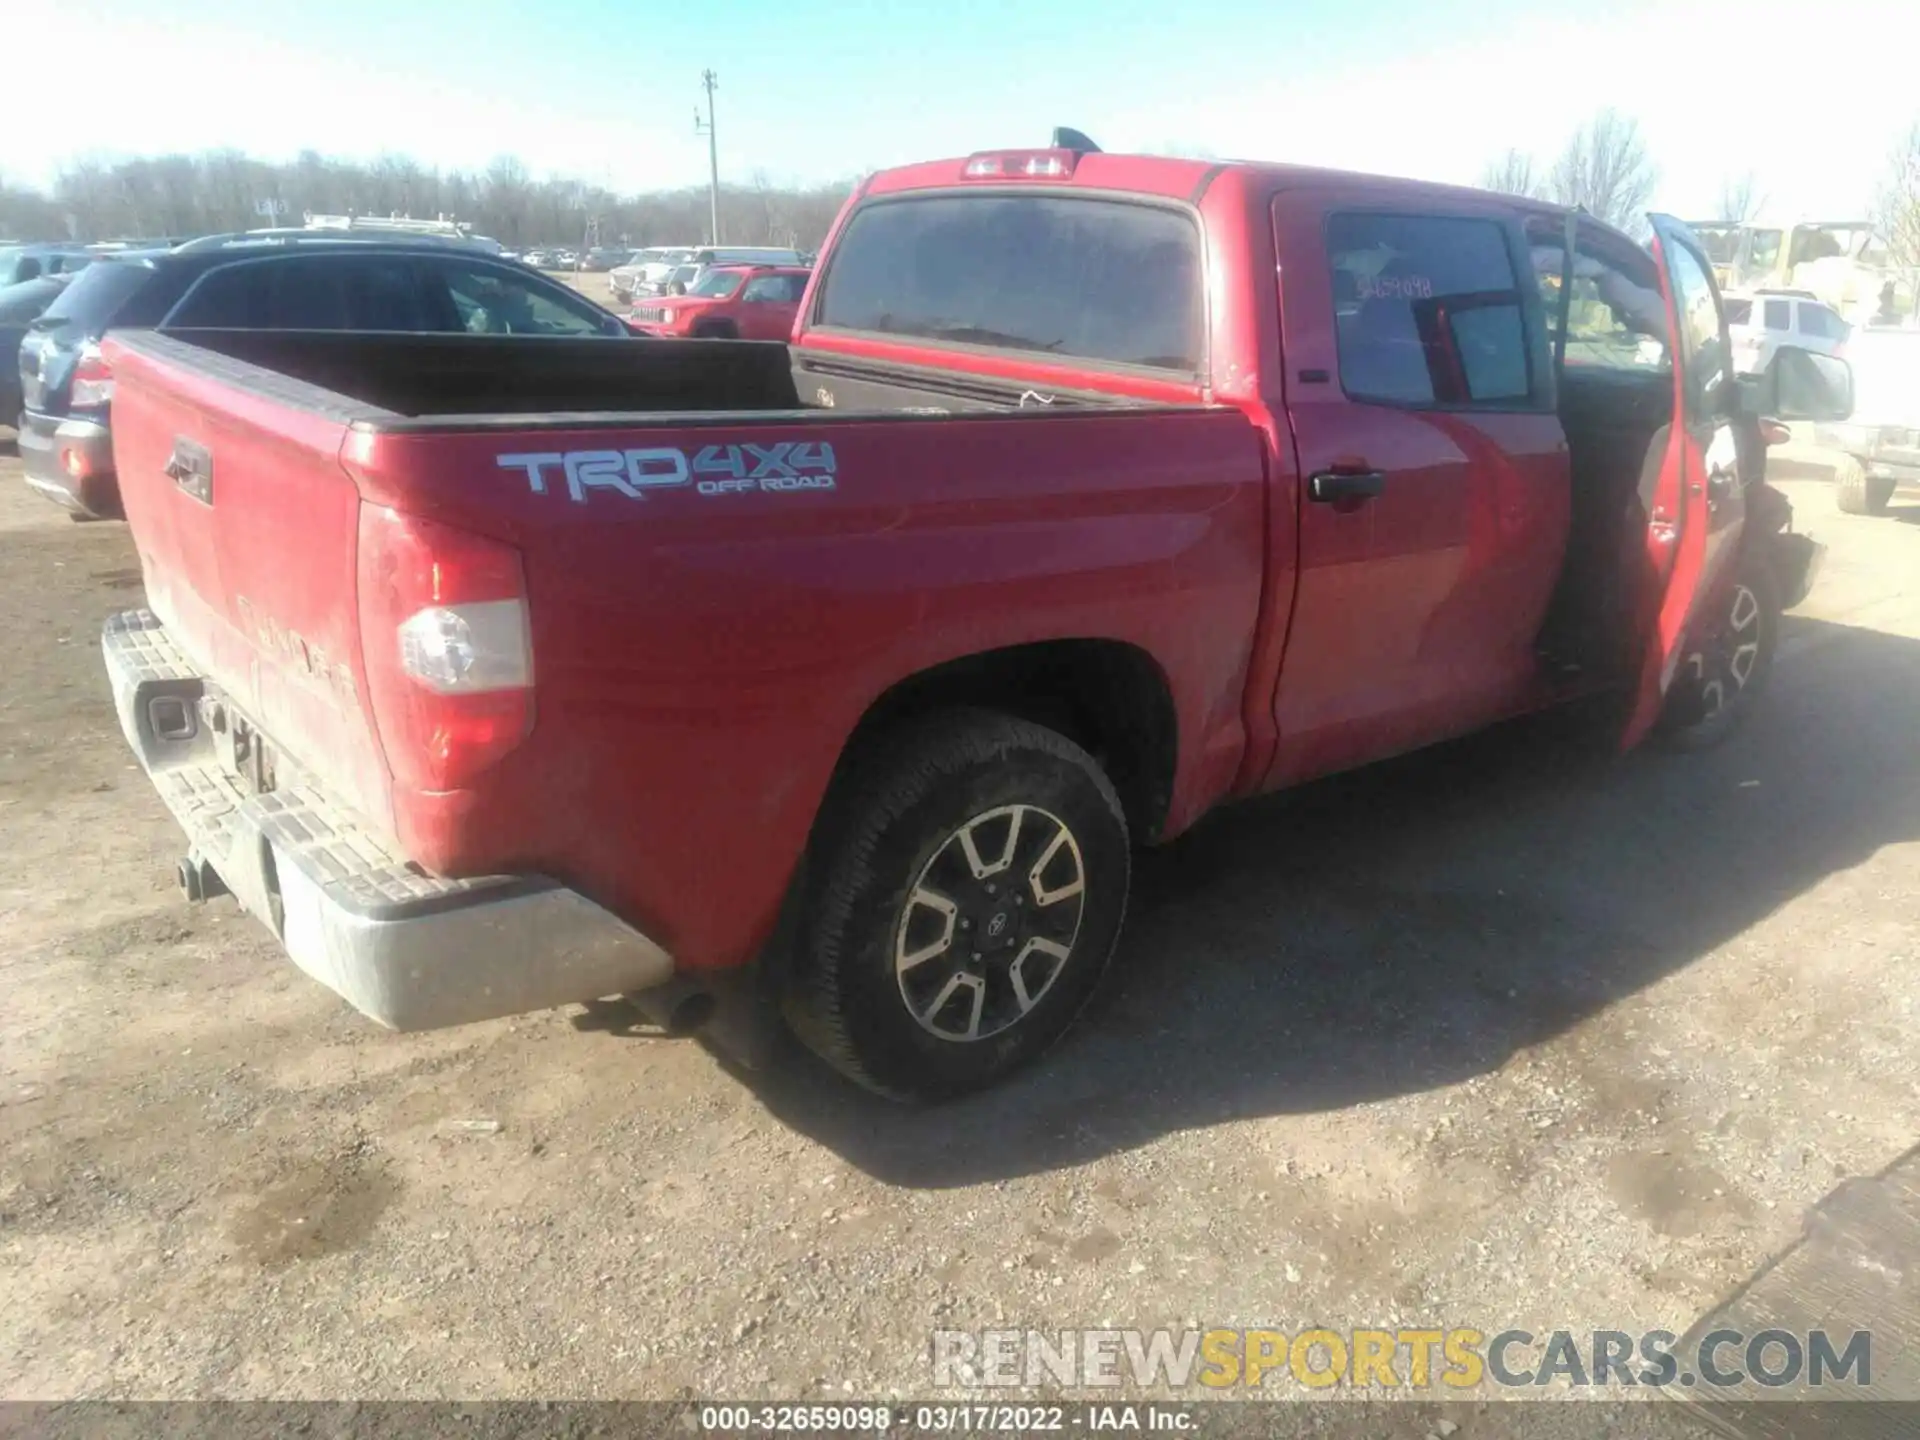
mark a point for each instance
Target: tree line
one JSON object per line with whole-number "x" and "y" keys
{"x": 1606, "y": 168}
{"x": 225, "y": 191}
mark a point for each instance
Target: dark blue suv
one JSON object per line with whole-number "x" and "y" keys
{"x": 277, "y": 281}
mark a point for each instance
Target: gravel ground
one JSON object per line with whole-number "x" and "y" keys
{"x": 1502, "y": 1035}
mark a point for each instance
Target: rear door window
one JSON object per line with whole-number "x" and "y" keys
{"x": 97, "y": 296}
{"x": 1822, "y": 323}
{"x": 1108, "y": 281}
{"x": 1428, "y": 311}
{"x": 309, "y": 292}
{"x": 1778, "y": 314}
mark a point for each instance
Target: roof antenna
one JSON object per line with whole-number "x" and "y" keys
{"x": 1065, "y": 137}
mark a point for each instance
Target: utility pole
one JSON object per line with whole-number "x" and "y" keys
{"x": 705, "y": 127}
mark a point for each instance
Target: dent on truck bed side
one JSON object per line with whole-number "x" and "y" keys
{"x": 704, "y": 647}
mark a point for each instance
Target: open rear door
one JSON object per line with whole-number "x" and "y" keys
{"x": 1696, "y": 509}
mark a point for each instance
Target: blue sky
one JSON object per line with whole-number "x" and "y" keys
{"x": 818, "y": 89}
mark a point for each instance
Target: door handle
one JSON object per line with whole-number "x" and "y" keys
{"x": 1329, "y": 485}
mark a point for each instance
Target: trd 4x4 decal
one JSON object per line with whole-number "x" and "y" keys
{"x": 785, "y": 465}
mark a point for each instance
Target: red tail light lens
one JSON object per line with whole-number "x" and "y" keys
{"x": 449, "y": 652}
{"x": 92, "y": 378}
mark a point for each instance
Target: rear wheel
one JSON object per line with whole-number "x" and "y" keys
{"x": 1721, "y": 676}
{"x": 967, "y": 898}
{"x": 1859, "y": 493}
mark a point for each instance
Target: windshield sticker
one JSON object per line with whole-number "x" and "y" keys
{"x": 1395, "y": 287}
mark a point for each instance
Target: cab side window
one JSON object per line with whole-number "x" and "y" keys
{"x": 1428, "y": 311}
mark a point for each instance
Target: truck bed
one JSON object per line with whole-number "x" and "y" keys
{"x": 433, "y": 379}
{"x": 430, "y": 377}
{"x": 703, "y": 643}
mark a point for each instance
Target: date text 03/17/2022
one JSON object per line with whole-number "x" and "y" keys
{"x": 946, "y": 1418}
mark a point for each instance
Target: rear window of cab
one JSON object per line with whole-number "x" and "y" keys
{"x": 1113, "y": 282}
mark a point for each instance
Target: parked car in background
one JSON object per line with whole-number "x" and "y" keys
{"x": 870, "y": 658}
{"x": 1761, "y": 321}
{"x": 646, "y": 267}
{"x": 29, "y": 262}
{"x": 20, "y": 306}
{"x": 1879, "y": 444}
{"x": 602, "y": 259}
{"x": 728, "y": 302}
{"x": 678, "y": 281}
{"x": 698, "y": 261}
{"x": 299, "y": 280}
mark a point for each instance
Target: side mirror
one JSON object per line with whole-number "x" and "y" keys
{"x": 1803, "y": 385}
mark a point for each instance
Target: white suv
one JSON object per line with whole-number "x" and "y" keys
{"x": 1760, "y": 323}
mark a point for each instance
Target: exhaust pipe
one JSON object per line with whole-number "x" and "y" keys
{"x": 678, "y": 1007}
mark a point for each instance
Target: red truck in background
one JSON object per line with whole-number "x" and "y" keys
{"x": 727, "y": 302}
{"x": 1093, "y": 491}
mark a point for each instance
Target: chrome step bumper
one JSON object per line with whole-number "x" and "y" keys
{"x": 411, "y": 951}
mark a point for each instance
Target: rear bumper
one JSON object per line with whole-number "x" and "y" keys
{"x": 411, "y": 951}
{"x": 88, "y": 487}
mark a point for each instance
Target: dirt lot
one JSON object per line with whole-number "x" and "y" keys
{"x": 1498, "y": 1035}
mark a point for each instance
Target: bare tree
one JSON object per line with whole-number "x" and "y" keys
{"x": 1740, "y": 199}
{"x": 1606, "y": 171}
{"x": 28, "y": 215}
{"x": 1513, "y": 174}
{"x": 1897, "y": 212}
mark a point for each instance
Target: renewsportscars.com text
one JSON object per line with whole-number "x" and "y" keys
{"x": 1451, "y": 1359}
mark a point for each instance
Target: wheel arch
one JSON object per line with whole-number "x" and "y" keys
{"x": 1109, "y": 697}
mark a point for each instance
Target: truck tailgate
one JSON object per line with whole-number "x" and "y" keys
{"x": 246, "y": 526}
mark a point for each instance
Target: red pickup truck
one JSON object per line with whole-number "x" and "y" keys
{"x": 1093, "y": 491}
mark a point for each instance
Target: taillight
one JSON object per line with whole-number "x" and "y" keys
{"x": 92, "y": 378}
{"x": 449, "y": 652}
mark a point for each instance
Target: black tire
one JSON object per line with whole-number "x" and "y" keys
{"x": 900, "y": 825}
{"x": 716, "y": 330}
{"x": 1857, "y": 492}
{"x": 1713, "y": 692}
